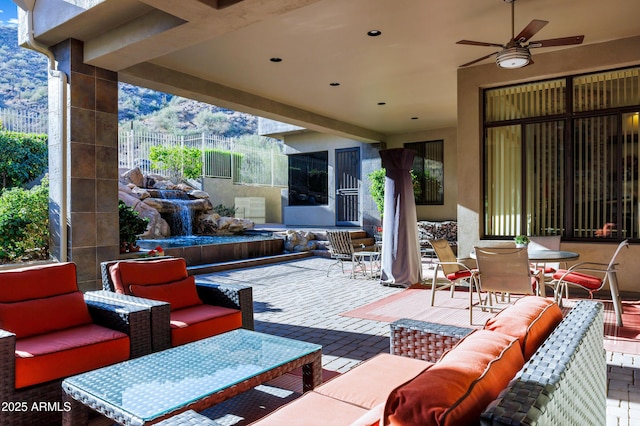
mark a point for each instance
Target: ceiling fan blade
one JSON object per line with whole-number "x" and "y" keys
{"x": 530, "y": 30}
{"x": 478, "y": 43}
{"x": 563, "y": 41}
{"x": 478, "y": 60}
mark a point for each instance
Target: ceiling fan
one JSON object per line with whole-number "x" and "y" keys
{"x": 516, "y": 54}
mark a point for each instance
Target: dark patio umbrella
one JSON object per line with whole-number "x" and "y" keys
{"x": 401, "y": 263}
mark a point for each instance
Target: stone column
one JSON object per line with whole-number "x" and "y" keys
{"x": 91, "y": 170}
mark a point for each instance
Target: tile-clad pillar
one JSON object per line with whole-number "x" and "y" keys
{"x": 91, "y": 167}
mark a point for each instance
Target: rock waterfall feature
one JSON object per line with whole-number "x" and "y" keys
{"x": 174, "y": 210}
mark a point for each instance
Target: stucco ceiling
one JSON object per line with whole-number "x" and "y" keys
{"x": 222, "y": 56}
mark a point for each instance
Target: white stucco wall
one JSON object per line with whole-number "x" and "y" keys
{"x": 316, "y": 142}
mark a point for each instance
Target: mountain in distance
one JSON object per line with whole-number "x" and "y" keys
{"x": 23, "y": 87}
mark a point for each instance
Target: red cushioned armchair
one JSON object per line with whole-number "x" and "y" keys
{"x": 49, "y": 331}
{"x": 182, "y": 309}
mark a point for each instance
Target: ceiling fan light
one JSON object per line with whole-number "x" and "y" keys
{"x": 513, "y": 57}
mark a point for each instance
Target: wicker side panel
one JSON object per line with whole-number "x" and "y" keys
{"x": 19, "y": 408}
{"x": 158, "y": 312}
{"x": 564, "y": 383}
{"x": 131, "y": 320}
{"x": 424, "y": 340}
{"x": 188, "y": 418}
{"x": 233, "y": 296}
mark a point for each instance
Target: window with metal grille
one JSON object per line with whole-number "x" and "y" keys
{"x": 428, "y": 171}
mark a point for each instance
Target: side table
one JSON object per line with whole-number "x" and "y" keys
{"x": 362, "y": 258}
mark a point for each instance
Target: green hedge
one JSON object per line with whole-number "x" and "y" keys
{"x": 24, "y": 223}
{"x": 23, "y": 158}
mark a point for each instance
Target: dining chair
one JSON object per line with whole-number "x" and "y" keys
{"x": 546, "y": 242}
{"x": 582, "y": 275}
{"x": 454, "y": 271}
{"x": 503, "y": 271}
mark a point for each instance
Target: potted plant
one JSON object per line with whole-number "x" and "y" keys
{"x": 522, "y": 241}
{"x": 131, "y": 225}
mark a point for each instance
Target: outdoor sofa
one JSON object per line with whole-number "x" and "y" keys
{"x": 182, "y": 309}
{"x": 511, "y": 372}
{"x": 49, "y": 330}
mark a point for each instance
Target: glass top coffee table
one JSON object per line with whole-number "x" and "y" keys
{"x": 192, "y": 376}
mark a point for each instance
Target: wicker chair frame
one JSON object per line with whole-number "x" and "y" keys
{"x": 134, "y": 321}
{"x": 234, "y": 296}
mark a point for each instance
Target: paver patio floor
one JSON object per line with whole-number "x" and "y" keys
{"x": 297, "y": 300}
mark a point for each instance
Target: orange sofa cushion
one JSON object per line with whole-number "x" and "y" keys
{"x": 64, "y": 353}
{"x": 35, "y": 282}
{"x": 162, "y": 271}
{"x": 385, "y": 372}
{"x": 39, "y": 316}
{"x": 179, "y": 294}
{"x": 202, "y": 321}
{"x": 531, "y": 319}
{"x": 460, "y": 385}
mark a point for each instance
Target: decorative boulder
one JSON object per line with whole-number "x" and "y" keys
{"x": 299, "y": 241}
{"x": 133, "y": 176}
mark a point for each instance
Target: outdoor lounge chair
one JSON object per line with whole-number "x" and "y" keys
{"x": 182, "y": 309}
{"x": 502, "y": 272}
{"x": 50, "y": 330}
{"x": 455, "y": 272}
{"x": 341, "y": 249}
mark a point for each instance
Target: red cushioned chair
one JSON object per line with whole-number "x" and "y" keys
{"x": 49, "y": 331}
{"x": 182, "y": 310}
{"x": 455, "y": 272}
{"x": 576, "y": 276}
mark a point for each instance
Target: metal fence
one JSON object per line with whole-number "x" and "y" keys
{"x": 23, "y": 121}
{"x": 221, "y": 157}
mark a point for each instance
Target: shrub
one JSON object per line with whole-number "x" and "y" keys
{"x": 377, "y": 179}
{"x": 224, "y": 210}
{"x": 177, "y": 161}
{"x": 23, "y": 157}
{"x": 24, "y": 223}
{"x": 131, "y": 224}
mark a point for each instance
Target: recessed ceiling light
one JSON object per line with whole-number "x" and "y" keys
{"x": 334, "y": 84}
{"x": 374, "y": 33}
{"x": 382, "y": 103}
{"x": 275, "y": 59}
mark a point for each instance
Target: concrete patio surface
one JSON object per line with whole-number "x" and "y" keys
{"x": 296, "y": 299}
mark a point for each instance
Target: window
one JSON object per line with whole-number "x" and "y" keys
{"x": 308, "y": 179}
{"x": 428, "y": 171}
{"x": 561, "y": 157}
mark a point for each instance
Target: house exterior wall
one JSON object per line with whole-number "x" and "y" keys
{"x": 471, "y": 81}
{"x": 326, "y": 215}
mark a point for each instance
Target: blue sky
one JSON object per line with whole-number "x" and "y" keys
{"x": 8, "y": 12}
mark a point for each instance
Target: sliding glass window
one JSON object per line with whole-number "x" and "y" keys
{"x": 561, "y": 157}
